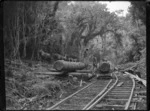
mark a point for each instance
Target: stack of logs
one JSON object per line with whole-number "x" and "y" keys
{"x": 66, "y": 65}
{"x": 73, "y": 68}
{"x": 62, "y": 67}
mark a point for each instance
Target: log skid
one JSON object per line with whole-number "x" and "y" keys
{"x": 68, "y": 66}
{"x": 50, "y": 73}
{"x": 84, "y": 71}
{"x": 80, "y": 74}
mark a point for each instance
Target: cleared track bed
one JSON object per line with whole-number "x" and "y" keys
{"x": 81, "y": 98}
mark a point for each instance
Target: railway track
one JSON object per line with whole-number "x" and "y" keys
{"x": 139, "y": 98}
{"x": 114, "y": 94}
{"x": 117, "y": 97}
{"x": 84, "y": 96}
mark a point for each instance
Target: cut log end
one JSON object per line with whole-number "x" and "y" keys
{"x": 104, "y": 67}
{"x": 58, "y": 65}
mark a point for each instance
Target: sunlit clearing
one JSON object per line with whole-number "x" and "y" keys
{"x": 114, "y": 6}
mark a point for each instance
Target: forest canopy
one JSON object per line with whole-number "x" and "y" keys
{"x": 59, "y": 27}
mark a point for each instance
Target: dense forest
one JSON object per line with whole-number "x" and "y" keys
{"x": 44, "y": 31}
{"x": 59, "y": 28}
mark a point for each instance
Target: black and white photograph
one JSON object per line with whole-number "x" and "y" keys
{"x": 75, "y": 55}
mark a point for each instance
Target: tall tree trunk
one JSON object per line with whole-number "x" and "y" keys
{"x": 103, "y": 46}
{"x": 35, "y": 42}
{"x": 81, "y": 51}
{"x": 23, "y": 22}
{"x": 17, "y": 36}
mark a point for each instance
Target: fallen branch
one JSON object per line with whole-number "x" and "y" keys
{"x": 49, "y": 73}
{"x": 136, "y": 77}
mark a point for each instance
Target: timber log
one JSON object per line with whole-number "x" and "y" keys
{"x": 62, "y": 65}
{"x": 104, "y": 67}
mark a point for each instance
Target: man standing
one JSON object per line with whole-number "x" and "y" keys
{"x": 94, "y": 63}
{"x": 85, "y": 54}
{"x": 85, "y": 57}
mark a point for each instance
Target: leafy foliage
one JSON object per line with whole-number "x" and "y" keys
{"x": 85, "y": 22}
{"x": 27, "y": 26}
{"x": 56, "y": 27}
{"x": 138, "y": 11}
{"x": 81, "y": 30}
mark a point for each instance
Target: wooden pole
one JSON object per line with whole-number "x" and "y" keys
{"x": 50, "y": 73}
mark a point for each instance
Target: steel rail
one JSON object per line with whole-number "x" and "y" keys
{"x": 92, "y": 105}
{"x": 68, "y": 97}
{"x": 129, "y": 100}
{"x": 97, "y": 95}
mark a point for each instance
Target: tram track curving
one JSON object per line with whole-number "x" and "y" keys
{"x": 79, "y": 99}
{"x": 113, "y": 94}
{"x": 117, "y": 97}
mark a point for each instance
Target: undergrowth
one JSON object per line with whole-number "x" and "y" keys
{"x": 24, "y": 90}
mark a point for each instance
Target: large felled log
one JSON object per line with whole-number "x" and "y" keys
{"x": 68, "y": 66}
{"x": 104, "y": 67}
